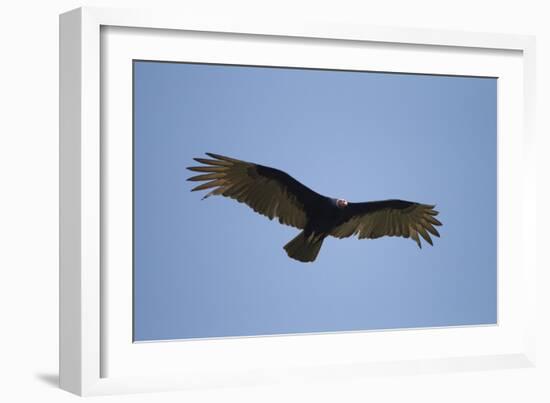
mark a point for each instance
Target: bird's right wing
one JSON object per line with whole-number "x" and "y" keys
{"x": 268, "y": 191}
{"x": 388, "y": 218}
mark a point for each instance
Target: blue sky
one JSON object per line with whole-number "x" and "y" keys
{"x": 214, "y": 268}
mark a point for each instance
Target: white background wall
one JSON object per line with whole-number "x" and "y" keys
{"x": 29, "y": 210}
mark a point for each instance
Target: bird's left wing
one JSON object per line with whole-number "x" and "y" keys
{"x": 388, "y": 218}
{"x": 268, "y": 191}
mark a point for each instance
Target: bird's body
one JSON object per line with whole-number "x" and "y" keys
{"x": 275, "y": 194}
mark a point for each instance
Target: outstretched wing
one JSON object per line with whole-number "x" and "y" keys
{"x": 268, "y": 191}
{"x": 388, "y": 218}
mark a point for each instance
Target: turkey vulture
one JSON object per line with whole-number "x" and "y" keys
{"x": 274, "y": 193}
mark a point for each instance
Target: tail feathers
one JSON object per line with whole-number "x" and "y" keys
{"x": 304, "y": 249}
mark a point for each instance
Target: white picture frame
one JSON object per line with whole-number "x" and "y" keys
{"x": 97, "y": 355}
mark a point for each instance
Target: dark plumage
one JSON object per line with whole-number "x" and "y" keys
{"x": 275, "y": 194}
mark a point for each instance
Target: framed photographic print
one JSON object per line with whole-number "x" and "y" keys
{"x": 246, "y": 202}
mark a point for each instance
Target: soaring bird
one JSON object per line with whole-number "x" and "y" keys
{"x": 275, "y": 194}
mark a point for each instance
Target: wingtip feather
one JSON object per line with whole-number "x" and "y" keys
{"x": 221, "y": 157}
